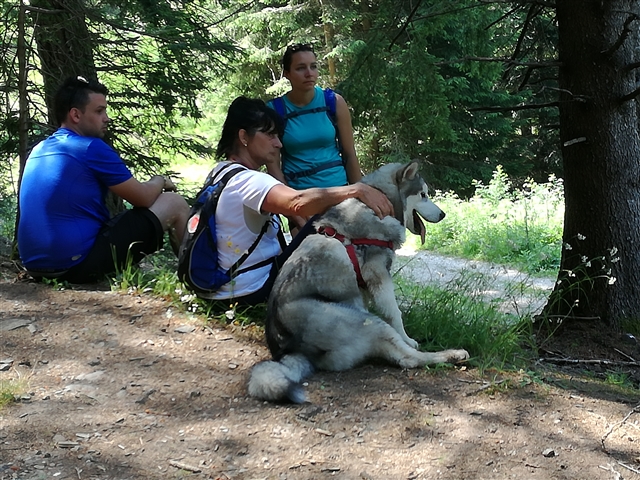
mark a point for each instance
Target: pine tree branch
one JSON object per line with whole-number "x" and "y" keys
{"x": 406, "y": 23}
{"x": 626, "y": 31}
{"x": 630, "y": 96}
{"x": 632, "y": 66}
{"x": 515, "y": 108}
{"x": 542, "y": 3}
{"x": 549, "y": 64}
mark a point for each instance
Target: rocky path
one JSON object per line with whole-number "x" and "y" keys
{"x": 519, "y": 293}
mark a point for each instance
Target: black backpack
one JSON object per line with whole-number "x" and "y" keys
{"x": 198, "y": 266}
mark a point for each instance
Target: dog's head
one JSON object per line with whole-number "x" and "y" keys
{"x": 408, "y": 193}
{"x": 416, "y": 204}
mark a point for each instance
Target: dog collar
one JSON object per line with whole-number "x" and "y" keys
{"x": 349, "y": 243}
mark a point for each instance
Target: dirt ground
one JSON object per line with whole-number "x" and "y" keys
{"x": 122, "y": 386}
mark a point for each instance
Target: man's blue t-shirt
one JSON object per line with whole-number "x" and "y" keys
{"x": 309, "y": 141}
{"x": 62, "y": 198}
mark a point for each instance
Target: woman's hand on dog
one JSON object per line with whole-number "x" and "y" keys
{"x": 375, "y": 200}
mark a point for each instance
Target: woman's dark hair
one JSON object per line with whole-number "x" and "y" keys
{"x": 252, "y": 115}
{"x": 291, "y": 49}
{"x": 74, "y": 93}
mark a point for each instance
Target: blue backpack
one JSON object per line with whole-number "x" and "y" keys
{"x": 330, "y": 108}
{"x": 198, "y": 266}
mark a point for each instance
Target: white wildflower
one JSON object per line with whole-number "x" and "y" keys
{"x": 568, "y": 247}
{"x": 612, "y": 280}
{"x": 581, "y": 237}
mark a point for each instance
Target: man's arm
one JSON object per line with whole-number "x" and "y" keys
{"x": 287, "y": 201}
{"x": 143, "y": 194}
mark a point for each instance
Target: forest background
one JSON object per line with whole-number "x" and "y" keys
{"x": 539, "y": 88}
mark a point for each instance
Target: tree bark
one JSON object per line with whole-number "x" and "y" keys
{"x": 65, "y": 46}
{"x": 328, "y": 30}
{"x": 600, "y": 265}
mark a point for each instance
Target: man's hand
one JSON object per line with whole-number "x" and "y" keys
{"x": 169, "y": 186}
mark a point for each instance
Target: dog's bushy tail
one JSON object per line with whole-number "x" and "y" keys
{"x": 280, "y": 381}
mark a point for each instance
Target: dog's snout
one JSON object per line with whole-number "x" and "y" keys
{"x": 442, "y": 215}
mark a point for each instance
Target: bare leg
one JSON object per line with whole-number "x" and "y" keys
{"x": 173, "y": 212}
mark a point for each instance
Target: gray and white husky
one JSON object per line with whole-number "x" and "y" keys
{"x": 317, "y": 318}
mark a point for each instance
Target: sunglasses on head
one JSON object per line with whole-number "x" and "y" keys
{"x": 299, "y": 47}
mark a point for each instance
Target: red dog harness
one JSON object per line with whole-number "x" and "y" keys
{"x": 349, "y": 243}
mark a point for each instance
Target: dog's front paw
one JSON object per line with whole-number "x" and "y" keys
{"x": 411, "y": 342}
{"x": 456, "y": 356}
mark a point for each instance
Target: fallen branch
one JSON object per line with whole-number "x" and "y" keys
{"x": 635, "y": 409}
{"x": 486, "y": 386}
{"x": 184, "y": 466}
{"x": 625, "y": 355}
{"x": 609, "y": 468}
{"x": 628, "y": 467}
{"x": 572, "y": 361}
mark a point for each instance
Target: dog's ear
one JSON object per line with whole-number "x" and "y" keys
{"x": 409, "y": 171}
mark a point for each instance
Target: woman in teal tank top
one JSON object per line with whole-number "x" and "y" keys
{"x": 311, "y": 156}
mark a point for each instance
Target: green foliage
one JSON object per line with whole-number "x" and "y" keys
{"x": 155, "y": 58}
{"x": 56, "y": 284}
{"x": 7, "y": 210}
{"x": 8, "y": 390}
{"x": 520, "y": 228}
{"x": 574, "y": 285}
{"x": 156, "y": 274}
{"x": 620, "y": 379}
{"x": 432, "y": 80}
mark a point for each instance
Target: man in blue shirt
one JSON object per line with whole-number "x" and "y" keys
{"x": 65, "y": 230}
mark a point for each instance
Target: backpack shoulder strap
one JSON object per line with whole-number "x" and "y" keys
{"x": 279, "y": 107}
{"x": 332, "y": 113}
{"x": 235, "y": 268}
{"x": 330, "y": 102}
{"x": 215, "y": 173}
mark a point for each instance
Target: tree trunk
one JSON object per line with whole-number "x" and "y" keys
{"x": 600, "y": 265}
{"x": 65, "y": 46}
{"x": 328, "y": 30}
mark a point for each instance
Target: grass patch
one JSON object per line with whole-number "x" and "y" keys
{"x": 459, "y": 316}
{"x": 10, "y": 390}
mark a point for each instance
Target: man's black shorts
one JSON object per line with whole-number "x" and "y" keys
{"x": 124, "y": 240}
